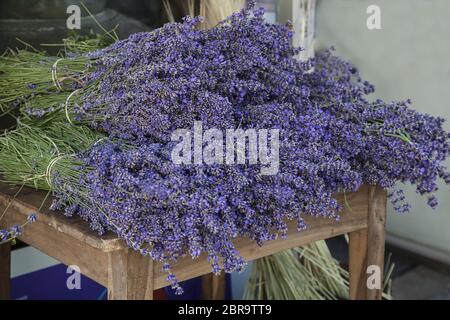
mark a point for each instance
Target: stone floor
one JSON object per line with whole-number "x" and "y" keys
{"x": 421, "y": 283}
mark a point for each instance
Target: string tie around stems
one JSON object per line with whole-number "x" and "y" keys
{"x": 57, "y": 82}
{"x": 66, "y": 108}
{"x": 50, "y": 166}
{"x": 55, "y": 74}
{"x": 98, "y": 141}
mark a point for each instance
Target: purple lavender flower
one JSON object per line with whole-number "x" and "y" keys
{"x": 15, "y": 231}
{"x": 4, "y": 235}
{"x": 433, "y": 202}
{"x": 32, "y": 217}
{"x": 241, "y": 73}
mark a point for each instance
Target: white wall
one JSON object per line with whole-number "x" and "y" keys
{"x": 408, "y": 58}
{"x": 28, "y": 259}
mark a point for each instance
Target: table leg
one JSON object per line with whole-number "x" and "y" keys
{"x": 213, "y": 286}
{"x": 130, "y": 276}
{"x": 366, "y": 251}
{"x": 357, "y": 264}
{"x": 376, "y": 237}
{"x": 5, "y": 271}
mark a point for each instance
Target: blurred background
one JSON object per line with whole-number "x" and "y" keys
{"x": 406, "y": 56}
{"x": 409, "y": 57}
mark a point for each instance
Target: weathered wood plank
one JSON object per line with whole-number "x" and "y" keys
{"x": 29, "y": 200}
{"x": 358, "y": 264}
{"x": 130, "y": 276}
{"x": 376, "y": 235}
{"x": 318, "y": 229}
{"x": 62, "y": 246}
{"x": 5, "y": 271}
{"x": 214, "y": 286}
{"x": 366, "y": 248}
{"x": 71, "y": 241}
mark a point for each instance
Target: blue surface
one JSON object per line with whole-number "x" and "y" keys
{"x": 51, "y": 284}
{"x": 193, "y": 290}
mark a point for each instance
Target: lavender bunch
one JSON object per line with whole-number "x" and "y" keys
{"x": 242, "y": 73}
{"x": 333, "y": 138}
{"x": 36, "y": 157}
{"x": 392, "y": 142}
{"x": 152, "y": 83}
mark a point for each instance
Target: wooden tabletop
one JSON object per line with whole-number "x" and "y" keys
{"x": 29, "y": 200}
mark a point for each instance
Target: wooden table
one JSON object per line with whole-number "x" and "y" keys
{"x": 128, "y": 275}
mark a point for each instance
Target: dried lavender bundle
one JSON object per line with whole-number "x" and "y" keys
{"x": 241, "y": 73}
{"x": 45, "y": 158}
